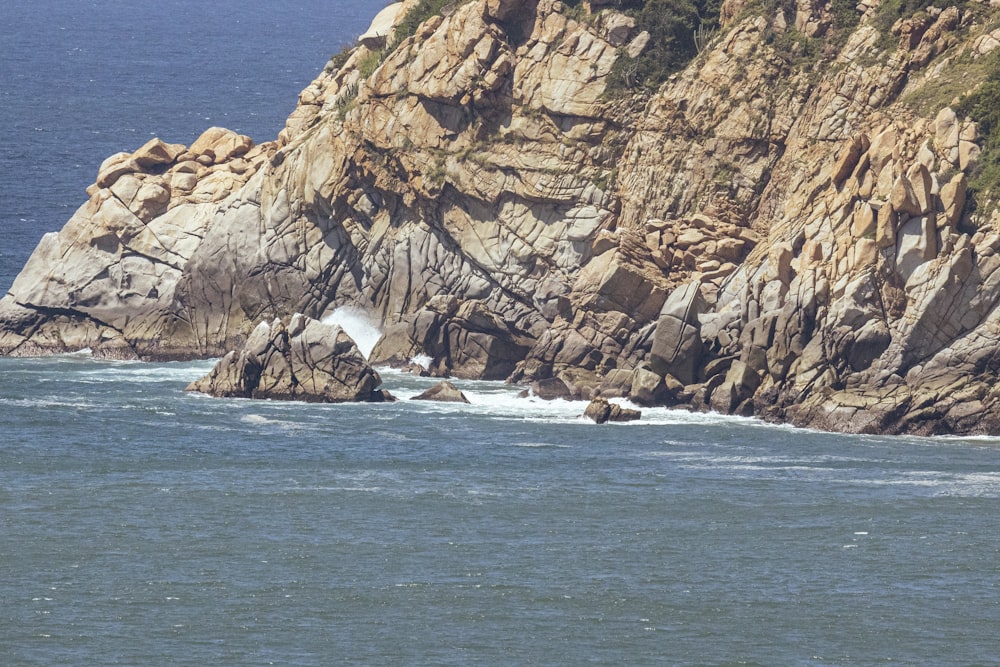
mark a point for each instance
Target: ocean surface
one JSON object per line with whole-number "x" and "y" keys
{"x": 142, "y": 525}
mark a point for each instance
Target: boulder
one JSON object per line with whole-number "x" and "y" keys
{"x": 481, "y": 344}
{"x": 501, "y": 10}
{"x": 647, "y": 388}
{"x": 638, "y": 44}
{"x": 923, "y": 187}
{"x": 442, "y": 392}
{"x": 600, "y": 410}
{"x": 219, "y": 145}
{"x": 953, "y": 195}
{"x": 618, "y": 28}
{"x": 302, "y": 360}
{"x": 616, "y": 383}
{"x": 551, "y": 389}
{"x": 114, "y": 168}
{"x": 616, "y": 282}
{"x": 677, "y": 345}
{"x": 885, "y": 226}
{"x": 903, "y": 197}
{"x": 864, "y": 223}
{"x": 639, "y": 385}
{"x": 156, "y": 152}
{"x": 467, "y": 341}
{"x": 848, "y": 158}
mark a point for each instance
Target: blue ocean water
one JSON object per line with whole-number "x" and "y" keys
{"x": 141, "y": 525}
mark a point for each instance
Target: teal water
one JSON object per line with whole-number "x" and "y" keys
{"x": 140, "y": 525}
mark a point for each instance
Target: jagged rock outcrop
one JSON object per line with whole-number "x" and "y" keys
{"x": 788, "y": 227}
{"x": 301, "y": 360}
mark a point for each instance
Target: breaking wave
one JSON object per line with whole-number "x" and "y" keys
{"x": 359, "y": 325}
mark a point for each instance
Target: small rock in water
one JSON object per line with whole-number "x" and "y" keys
{"x": 601, "y": 410}
{"x": 444, "y": 392}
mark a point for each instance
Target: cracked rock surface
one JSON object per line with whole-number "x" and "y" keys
{"x": 298, "y": 360}
{"x": 762, "y": 235}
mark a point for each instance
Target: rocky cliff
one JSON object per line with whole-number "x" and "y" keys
{"x": 795, "y": 224}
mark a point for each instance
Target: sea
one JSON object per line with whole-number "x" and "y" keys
{"x": 144, "y": 525}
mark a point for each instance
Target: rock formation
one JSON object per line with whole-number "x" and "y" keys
{"x": 784, "y": 227}
{"x": 442, "y": 392}
{"x": 303, "y": 360}
{"x": 601, "y": 411}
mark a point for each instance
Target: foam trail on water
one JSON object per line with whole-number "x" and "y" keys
{"x": 358, "y": 325}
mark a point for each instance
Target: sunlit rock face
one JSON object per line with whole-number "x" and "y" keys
{"x": 779, "y": 231}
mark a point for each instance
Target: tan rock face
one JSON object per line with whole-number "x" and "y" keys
{"x": 771, "y": 232}
{"x": 302, "y": 360}
{"x": 381, "y": 26}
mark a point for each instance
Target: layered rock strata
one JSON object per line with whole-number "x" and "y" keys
{"x": 782, "y": 229}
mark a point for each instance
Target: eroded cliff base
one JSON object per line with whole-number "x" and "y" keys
{"x": 797, "y": 223}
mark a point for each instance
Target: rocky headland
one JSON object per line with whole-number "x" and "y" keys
{"x": 798, "y": 220}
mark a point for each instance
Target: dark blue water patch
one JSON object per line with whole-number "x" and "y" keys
{"x": 81, "y": 80}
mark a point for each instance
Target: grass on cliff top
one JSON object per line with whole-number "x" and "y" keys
{"x": 674, "y": 27}
{"x": 954, "y": 80}
{"x": 890, "y": 11}
{"x": 679, "y": 30}
{"x": 983, "y": 106}
{"x": 417, "y": 14}
{"x": 406, "y": 27}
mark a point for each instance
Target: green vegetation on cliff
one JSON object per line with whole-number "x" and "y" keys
{"x": 983, "y": 106}
{"x": 673, "y": 27}
{"x": 416, "y": 15}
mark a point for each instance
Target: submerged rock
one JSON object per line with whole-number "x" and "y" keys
{"x": 303, "y": 360}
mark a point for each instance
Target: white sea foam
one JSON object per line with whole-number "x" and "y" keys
{"x": 832, "y": 470}
{"x": 334, "y": 489}
{"x": 48, "y": 402}
{"x": 422, "y": 360}
{"x": 503, "y": 401}
{"x": 359, "y": 325}
{"x": 114, "y": 371}
{"x": 256, "y": 419}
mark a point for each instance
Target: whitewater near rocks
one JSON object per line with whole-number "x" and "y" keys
{"x": 764, "y": 234}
